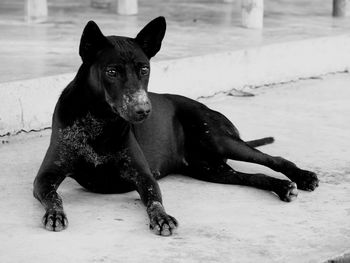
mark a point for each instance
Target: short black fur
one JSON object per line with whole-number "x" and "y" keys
{"x": 112, "y": 135}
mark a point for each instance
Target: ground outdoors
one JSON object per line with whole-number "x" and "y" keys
{"x": 218, "y": 223}
{"x": 309, "y": 118}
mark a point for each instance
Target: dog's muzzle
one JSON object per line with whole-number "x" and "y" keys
{"x": 136, "y": 107}
{"x": 142, "y": 111}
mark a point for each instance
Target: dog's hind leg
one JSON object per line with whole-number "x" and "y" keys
{"x": 217, "y": 171}
{"x": 236, "y": 149}
{"x": 211, "y": 133}
{"x": 47, "y": 181}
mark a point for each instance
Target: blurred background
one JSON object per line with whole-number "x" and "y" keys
{"x": 41, "y": 37}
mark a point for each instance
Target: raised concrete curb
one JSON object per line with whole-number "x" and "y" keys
{"x": 29, "y": 104}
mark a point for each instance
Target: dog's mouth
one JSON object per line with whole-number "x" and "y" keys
{"x": 139, "y": 118}
{"x": 130, "y": 116}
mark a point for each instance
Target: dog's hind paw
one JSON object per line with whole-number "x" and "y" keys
{"x": 307, "y": 180}
{"x": 55, "y": 220}
{"x": 288, "y": 191}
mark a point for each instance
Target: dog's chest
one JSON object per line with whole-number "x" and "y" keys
{"x": 89, "y": 140}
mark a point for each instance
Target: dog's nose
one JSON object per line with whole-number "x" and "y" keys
{"x": 143, "y": 110}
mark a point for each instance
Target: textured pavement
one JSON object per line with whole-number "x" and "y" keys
{"x": 310, "y": 121}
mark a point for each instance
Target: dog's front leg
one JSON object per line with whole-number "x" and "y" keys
{"x": 47, "y": 181}
{"x": 160, "y": 222}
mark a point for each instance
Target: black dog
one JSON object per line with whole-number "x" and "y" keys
{"x": 105, "y": 137}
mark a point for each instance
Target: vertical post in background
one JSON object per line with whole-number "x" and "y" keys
{"x": 253, "y": 13}
{"x": 127, "y": 7}
{"x": 227, "y": 13}
{"x": 341, "y": 8}
{"x": 101, "y": 3}
{"x": 36, "y": 10}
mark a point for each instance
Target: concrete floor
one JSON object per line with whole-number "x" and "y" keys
{"x": 310, "y": 121}
{"x": 195, "y": 28}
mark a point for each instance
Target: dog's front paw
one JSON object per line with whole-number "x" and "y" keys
{"x": 163, "y": 224}
{"x": 307, "y": 180}
{"x": 55, "y": 220}
{"x": 160, "y": 222}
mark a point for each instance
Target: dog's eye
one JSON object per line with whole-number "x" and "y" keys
{"x": 144, "y": 71}
{"x": 111, "y": 72}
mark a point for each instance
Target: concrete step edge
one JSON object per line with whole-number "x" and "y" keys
{"x": 29, "y": 104}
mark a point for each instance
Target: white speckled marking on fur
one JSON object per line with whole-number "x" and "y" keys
{"x": 138, "y": 97}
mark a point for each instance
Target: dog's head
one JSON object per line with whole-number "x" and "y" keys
{"x": 119, "y": 67}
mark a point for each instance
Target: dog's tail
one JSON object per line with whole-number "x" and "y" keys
{"x": 260, "y": 142}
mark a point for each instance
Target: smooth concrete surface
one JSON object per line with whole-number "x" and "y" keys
{"x": 310, "y": 121}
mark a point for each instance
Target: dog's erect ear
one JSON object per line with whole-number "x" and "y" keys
{"x": 151, "y": 36}
{"x": 91, "y": 42}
